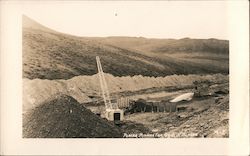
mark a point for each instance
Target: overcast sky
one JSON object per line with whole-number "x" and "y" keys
{"x": 160, "y": 19}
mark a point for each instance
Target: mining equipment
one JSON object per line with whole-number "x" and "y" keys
{"x": 112, "y": 112}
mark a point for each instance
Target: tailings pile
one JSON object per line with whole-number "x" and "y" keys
{"x": 84, "y": 88}
{"x": 63, "y": 117}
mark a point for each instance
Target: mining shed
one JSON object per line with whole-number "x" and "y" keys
{"x": 63, "y": 117}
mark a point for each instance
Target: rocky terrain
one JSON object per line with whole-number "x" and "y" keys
{"x": 209, "y": 118}
{"x": 87, "y": 88}
{"x": 61, "y": 89}
{"x": 44, "y": 105}
{"x": 63, "y": 117}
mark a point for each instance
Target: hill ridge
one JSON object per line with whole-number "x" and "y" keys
{"x": 48, "y": 54}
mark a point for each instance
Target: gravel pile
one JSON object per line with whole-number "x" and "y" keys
{"x": 82, "y": 88}
{"x": 63, "y": 117}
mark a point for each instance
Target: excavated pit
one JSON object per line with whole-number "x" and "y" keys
{"x": 69, "y": 108}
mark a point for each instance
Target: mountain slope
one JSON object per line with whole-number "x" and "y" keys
{"x": 170, "y": 45}
{"x": 48, "y": 54}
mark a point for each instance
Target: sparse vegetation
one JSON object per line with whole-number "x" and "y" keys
{"x": 48, "y": 54}
{"x": 61, "y": 91}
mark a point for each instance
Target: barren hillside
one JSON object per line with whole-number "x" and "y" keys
{"x": 48, "y": 54}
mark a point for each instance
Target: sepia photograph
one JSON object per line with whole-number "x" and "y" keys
{"x": 124, "y": 77}
{"x": 126, "y": 86}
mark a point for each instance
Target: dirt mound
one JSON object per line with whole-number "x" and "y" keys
{"x": 82, "y": 88}
{"x": 36, "y": 92}
{"x": 64, "y": 117}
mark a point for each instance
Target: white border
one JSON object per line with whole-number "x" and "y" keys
{"x": 11, "y": 91}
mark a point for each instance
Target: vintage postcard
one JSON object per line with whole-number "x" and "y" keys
{"x": 127, "y": 71}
